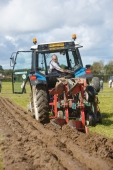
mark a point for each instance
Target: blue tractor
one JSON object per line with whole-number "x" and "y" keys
{"x": 62, "y": 98}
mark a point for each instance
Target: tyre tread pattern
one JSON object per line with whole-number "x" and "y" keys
{"x": 42, "y": 103}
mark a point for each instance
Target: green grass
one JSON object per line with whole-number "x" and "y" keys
{"x": 106, "y": 106}
{"x": 20, "y": 99}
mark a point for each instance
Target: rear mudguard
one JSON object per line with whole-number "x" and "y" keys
{"x": 40, "y": 79}
{"x": 82, "y": 73}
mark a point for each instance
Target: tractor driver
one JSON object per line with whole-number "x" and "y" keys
{"x": 55, "y": 67}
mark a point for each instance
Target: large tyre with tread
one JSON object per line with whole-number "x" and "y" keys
{"x": 39, "y": 102}
{"x": 96, "y": 83}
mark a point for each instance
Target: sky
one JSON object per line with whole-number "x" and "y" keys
{"x": 57, "y": 20}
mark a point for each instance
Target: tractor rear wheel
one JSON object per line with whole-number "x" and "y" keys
{"x": 39, "y": 101}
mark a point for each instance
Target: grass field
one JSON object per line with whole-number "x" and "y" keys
{"x": 106, "y": 106}
{"x": 20, "y": 99}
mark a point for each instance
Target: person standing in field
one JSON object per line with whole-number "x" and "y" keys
{"x": 110, "y": 83}
{"x": 0, "y": 86}
{"x": 101, "y": 83}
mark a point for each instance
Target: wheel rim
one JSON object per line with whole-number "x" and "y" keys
{"x": 87, "y": 122}
{"x": 35, "y": 103}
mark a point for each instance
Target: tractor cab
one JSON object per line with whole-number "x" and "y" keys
{"x": 34, "y": 65}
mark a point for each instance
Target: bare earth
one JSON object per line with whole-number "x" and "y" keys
{"x": 29, "y": 145}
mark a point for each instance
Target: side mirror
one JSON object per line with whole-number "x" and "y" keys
{"x": 12, "y": 59}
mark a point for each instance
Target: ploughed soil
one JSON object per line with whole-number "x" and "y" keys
{"x": 29, "y": 145}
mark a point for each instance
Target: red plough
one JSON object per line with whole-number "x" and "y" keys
{"x": 68, "y": 103}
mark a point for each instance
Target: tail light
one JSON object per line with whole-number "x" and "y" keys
{"x": 33, "y": 77}
{"x": 88, "y": 71}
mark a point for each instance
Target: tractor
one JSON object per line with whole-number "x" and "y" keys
{"x": 60, "y": 98}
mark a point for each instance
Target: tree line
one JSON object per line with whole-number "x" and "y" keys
{"x": 100, "y": 68}
{"x": 6, "y": 73}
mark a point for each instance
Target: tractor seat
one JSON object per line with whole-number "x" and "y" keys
{"x": 52, "y": 78}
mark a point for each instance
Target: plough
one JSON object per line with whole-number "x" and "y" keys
{"x": 70, "y": 103}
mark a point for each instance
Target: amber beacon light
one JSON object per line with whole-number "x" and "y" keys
{"x": 34, "y": 40}
{"x": 74, "y": 36}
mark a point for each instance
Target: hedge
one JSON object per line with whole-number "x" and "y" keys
{"x": 104, "y": 77}
{"x": 6, "y": 80}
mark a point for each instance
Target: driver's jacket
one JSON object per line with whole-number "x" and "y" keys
{"x": 54, "y": 67}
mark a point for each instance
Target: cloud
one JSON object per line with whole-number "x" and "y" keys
{"x": 57, "y": 20}
{"x": 41, "y": 15}
{"x": 2, "y": 45}
{"x": 9, "y": 38}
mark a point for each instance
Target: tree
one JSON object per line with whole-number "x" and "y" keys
{"x": 63, "y": 66}
{"x": 7, "y": 72}
{"x": 109, "y": 67}
{"x": 1, "y": 67}
{"x": 98, "y": 67}
{"x": 102, "y": 66}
